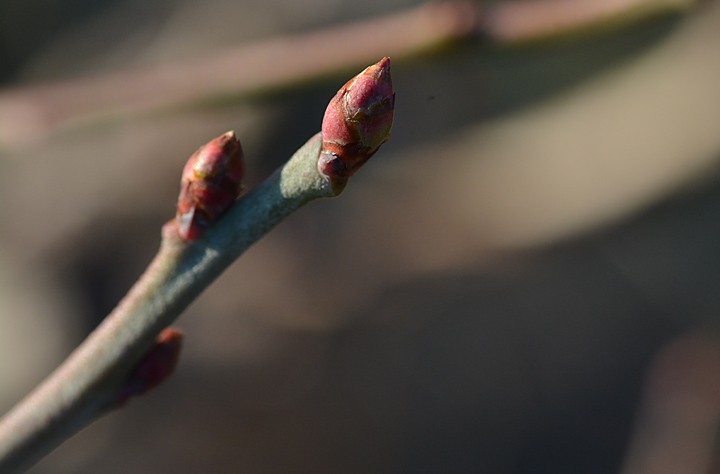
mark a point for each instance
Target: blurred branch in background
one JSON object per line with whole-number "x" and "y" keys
{"x": 29, "y": 113}
{"x": 679, "y": 417}
{"x": 524, "y": 21}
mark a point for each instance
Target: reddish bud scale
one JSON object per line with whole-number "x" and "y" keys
{"x": 157, "y": 365}
{"x": 210, "y": 183}
{"x": 357, "y": 121}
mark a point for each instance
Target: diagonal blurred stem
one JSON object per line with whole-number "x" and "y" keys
{"x": 88, "y": 382}
{"x": 522, "y": 21}
{"x": 32, "y": 112}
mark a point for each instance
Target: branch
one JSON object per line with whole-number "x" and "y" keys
{"x": 124, "y": 350}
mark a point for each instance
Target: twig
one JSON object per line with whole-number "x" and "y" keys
{"x": 88, "y": 382}
{"x": 95, "y": 376}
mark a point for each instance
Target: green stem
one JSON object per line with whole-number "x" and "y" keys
{"x": 87, "y": 383}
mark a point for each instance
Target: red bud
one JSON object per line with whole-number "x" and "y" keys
{"x": 211, "y": 181}
{"x": 357, "y": 121}
{"x": 157, "y": 365}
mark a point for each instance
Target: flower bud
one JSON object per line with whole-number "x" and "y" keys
{"x": 357, "y": 121}
{"x": 211, "y": 181}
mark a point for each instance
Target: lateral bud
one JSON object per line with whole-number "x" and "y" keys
{"x": 210, "y": 183}
{"x": 156, "y": 366}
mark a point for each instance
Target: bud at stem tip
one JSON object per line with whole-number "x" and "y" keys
{"x": 357, "y": 121}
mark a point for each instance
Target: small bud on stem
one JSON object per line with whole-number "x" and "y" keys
{"x": 211, "y": 181}
{"x": 357, "y": 121}
{"x": 157, "y": 365}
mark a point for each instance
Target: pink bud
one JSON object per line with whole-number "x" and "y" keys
{"x": 357, "y": 121}
{"x": 157, "y": 365}
{"x": 211, "y": 181}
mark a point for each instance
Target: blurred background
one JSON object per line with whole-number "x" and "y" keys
{"x": 525, "y": 279}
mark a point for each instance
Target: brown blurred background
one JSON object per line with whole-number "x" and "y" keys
{"x": 488, "y": 295}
